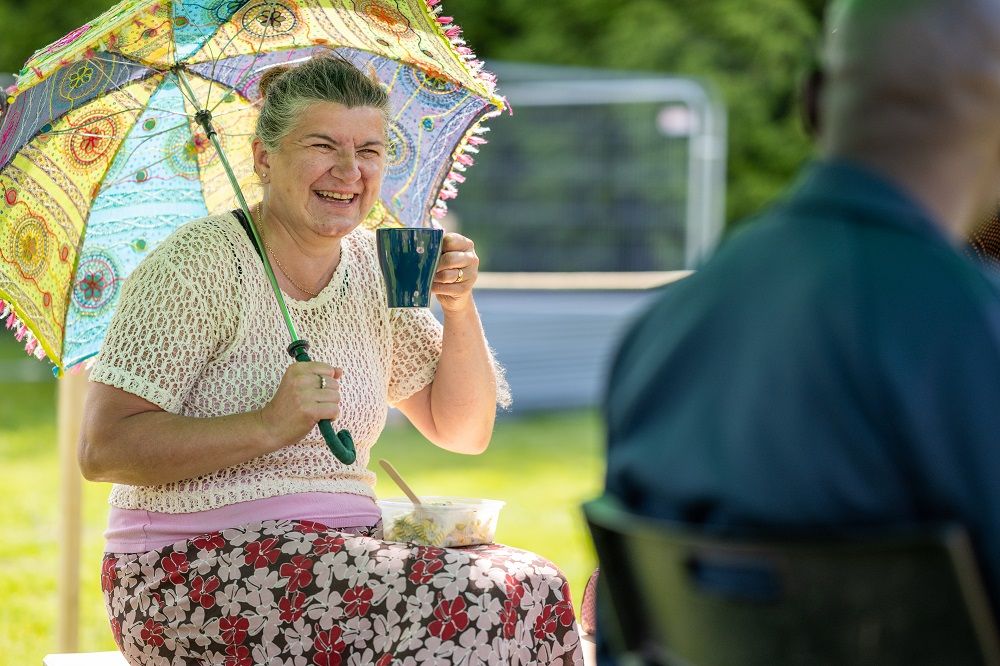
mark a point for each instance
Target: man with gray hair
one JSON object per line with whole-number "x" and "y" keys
{"x": 836, "y": 364}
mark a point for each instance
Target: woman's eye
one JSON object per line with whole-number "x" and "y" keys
{"x": 369, "y": 152}
{"x": 324, "y": 146}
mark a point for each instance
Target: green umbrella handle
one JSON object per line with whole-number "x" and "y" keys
{"x": 340, "y": 444}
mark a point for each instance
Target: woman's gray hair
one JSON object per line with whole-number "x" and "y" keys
{"x": 288, "y": 90}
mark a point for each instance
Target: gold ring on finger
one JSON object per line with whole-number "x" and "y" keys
{"x": 461, "y": 275}
{"x": 322, "y": 382}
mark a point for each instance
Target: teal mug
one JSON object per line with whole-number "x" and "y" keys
{"x": 408, "y": 258}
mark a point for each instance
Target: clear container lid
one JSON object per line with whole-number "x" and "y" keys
{"x": 443, "y": 503}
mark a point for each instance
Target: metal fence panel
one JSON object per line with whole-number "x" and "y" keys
{"x": 597, "y": 171}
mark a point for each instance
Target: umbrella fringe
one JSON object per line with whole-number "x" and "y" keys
{"x": 21, "y": 331}
{"x": 453, "y": 33}
{"x": 461, "y": 159}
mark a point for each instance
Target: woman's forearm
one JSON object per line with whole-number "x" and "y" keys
{"x": 464, "y": 392}
{"x": 154, "y": 447}
{"x": 127, "y": 439}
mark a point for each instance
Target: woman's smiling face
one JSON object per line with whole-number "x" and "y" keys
{"x": 327, "y": 172}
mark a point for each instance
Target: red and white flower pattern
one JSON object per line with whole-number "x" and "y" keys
{"x": 298, "y": 593}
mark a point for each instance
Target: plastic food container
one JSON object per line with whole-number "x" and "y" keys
{"x": 445, "y": 522}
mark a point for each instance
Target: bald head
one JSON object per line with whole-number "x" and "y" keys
{"x": 904, "y": 74}
{"x": 912, "y": 89}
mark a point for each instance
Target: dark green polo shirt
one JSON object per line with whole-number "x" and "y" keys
{"x": 835, "y": 364}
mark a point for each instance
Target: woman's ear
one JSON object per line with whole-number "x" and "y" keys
{"x": 261, "y": 161}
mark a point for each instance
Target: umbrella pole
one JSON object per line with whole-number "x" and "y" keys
{"x": 341, "y": 444}
{"x": 71, "y": 388}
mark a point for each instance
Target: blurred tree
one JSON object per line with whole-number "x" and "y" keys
{"x": 28, "y": 25}
{"x": 754, "y": 52}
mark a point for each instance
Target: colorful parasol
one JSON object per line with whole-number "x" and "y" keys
{"x": 102, "y": 157}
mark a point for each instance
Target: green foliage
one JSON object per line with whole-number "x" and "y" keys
{"x": 28, "y": 25}
{"x": 753, "y": 52}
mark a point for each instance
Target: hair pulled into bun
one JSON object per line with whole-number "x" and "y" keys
{"x": 287, "y": 91}
{"x": 269, "y": 76}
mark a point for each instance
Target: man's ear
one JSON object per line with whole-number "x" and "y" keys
{"x": 811, "y": 94}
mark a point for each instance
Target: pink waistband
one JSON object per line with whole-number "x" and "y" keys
{"x": 139, "y": 531}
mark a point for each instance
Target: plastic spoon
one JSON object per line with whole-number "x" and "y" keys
{"x": 391, "y": 471}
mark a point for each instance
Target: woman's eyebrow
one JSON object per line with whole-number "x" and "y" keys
{"x": 324, "y": 137}
{"x": 316, "y": 135}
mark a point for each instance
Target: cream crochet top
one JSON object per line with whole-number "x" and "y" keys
{"x": 198, "y": 333}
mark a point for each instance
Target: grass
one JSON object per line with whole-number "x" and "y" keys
{"x": 543, "y": 466}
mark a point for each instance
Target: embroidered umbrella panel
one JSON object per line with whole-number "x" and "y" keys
{"x": 101, "y": 158}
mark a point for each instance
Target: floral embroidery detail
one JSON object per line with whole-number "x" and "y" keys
{"x": 508, "y": 616}
{"x": 238, "y": 655}
{"x": 81, "y": 76}
{"x": 311, "y": 527}
{"x": 116, "y": 631}
{"x": 514, "y": 588}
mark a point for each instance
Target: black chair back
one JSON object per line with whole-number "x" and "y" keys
{"x": 669, "y": 595}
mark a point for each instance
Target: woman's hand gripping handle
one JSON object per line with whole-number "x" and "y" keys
{"x": 309, "y": 393}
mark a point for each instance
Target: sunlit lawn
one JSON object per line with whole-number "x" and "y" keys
{"x": 543, "y": 466}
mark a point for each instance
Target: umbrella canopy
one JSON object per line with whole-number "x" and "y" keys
{"x": 101, "y": 158}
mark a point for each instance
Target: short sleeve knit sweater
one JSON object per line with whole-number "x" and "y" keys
{"x": 198, "y": 333}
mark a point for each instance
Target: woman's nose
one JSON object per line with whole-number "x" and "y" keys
{"x": 346, "y": 168}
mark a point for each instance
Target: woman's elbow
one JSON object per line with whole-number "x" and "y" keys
{"x": 91, "y": 453}
{"x": 472, "y": 443}
{"x": 478, "y": 446}
{"x": 88, "y": 459}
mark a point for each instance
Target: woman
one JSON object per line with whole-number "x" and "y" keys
{"x": 235, "y": 536}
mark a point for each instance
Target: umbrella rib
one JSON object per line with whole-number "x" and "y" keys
{"x": 76, "y": 130}
{"x": 215, "y": 64}
{"x": 150, "y": 165}
{"x": 232, "y": 111}
{"x": 221, "y": 56}
{"x": 246, "y": 75}
{"x": 118, "y": 113}
{"x": 139, "y": 145}
{"x": 186, "y": 93}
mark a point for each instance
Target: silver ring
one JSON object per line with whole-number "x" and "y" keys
{"x": 322, "y": 382}
{"x": 461, "y": 276}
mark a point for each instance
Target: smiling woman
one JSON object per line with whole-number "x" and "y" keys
{"x": 235, "y": 535}
{"x": 323, "y": 178}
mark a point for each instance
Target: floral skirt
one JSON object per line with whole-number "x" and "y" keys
{"x": 298, "y": 593}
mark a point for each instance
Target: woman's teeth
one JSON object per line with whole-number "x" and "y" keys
{"x": 336, "y": 196}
